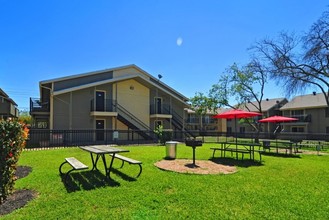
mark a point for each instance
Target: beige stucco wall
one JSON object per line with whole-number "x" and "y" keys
{"x": 120, "y": 125}
{"x": 134, "y": 97}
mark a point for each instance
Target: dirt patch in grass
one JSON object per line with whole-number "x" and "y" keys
{"x": 201, "y": 166}
{"x": 20, "y": 197}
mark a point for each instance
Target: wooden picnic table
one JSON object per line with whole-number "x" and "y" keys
{"x": 289, "y": 146}
{"x": 97, "y": 151}
{"x": 248, "y": 148}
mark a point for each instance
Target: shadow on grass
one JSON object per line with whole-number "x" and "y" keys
{"x": 274, "y": 154}
{"x": 233, "y": 162}
{"x": 87, "y": 180}
{"x": 122, "y": 175}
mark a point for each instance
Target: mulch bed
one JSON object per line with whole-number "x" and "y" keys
{"x": 20, "y": 197}
{"x": 202, "y": 167}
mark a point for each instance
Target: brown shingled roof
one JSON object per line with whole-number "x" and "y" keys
{"x": 306, "y": 101}
{"x": 266, "y": 104}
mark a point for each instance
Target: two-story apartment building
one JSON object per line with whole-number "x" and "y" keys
{"x": 312, "y": 113}
{"x": 121, "y": 98}
{"x": 8, "y": 108}
{"x": 269, "y": 107}
{"x": 205, "y": 122}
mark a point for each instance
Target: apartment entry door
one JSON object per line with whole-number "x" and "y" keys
{"x": 100, "y": 125}
{"x": 100, "y": 101}
{"x": 158, "y": 105}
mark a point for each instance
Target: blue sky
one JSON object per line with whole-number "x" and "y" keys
{"x": 190, "y": 43}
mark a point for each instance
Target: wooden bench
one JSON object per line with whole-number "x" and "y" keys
{"x": 75, "y": 164}
{"x": 130, "y": 161}
{"x": 232, "y": 150}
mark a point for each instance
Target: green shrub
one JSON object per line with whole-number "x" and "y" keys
{"x": 12, "y": 141}
{"x": 163, "y": 134}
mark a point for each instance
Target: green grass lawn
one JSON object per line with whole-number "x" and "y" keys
{"x": 280, "y": 188}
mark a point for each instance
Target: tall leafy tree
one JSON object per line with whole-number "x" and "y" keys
{"x": 299, "y": 62}
{"x": 202, "y": 104}
{"x": 242, "y": 84}
{"x": 245, "y": 84}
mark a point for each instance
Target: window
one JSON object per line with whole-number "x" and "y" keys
{"x": 42, "y": 124}
{"x": 327, "y": 130}
{"x": 192, "y": 118}
{"x": 242, "y": 129}
{"x": 297, "y": 112}
{"x": 297, "y": 129}
{"x": 206, "y": 119}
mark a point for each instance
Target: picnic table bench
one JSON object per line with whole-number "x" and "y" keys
{"x": 74, "y": 163}
{"x": 288, "y": 146}
{"x": 249, "y": 148}
{"x": 316, "y": 144}
{"x": 128, "y": 160}
{"x": 232, "y": 150}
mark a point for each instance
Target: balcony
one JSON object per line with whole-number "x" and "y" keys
{"x": 161, "y": 111}
{"x": 302, "y": 118}
{"x": 205, "y": 121}
{"x": 103, "y": 107}
{"x": 192, "y": 121}
{"x": 38, "y": 107}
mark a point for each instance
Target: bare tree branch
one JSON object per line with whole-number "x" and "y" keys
{"x": 298, "y": 62}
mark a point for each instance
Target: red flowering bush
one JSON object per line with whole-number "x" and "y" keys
{"x": 13, "y": 135}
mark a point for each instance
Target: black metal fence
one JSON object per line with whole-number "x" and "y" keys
{"x": 54, "y": 138}
{"x": 292, "y": 136}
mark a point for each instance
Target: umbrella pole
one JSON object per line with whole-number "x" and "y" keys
{"x": 276, "y": 138}
{"x": 236, "y": 138}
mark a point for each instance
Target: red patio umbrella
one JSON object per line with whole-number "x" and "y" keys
{"x": 278, "y": 119}
{"x": 234, "y": 114}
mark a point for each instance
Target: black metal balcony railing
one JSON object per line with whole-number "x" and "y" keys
{"x": 192, "y": 121}
{"x": 37, "y": 106}
{"x": 105, "y": 106}
{"x": 164, "y": 109}
{"x": 197, "y": 121}
{"x": 303, "y": 118}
